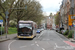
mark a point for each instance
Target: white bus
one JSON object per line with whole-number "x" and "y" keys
{"x": 27, "y": 29}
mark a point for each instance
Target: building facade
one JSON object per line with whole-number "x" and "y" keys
{"x": 64, "y": 12}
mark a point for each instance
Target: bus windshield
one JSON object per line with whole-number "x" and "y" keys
{"x": 25, "y": 25}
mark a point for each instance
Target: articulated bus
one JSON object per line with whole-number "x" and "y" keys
{"x": 27, "y": 29}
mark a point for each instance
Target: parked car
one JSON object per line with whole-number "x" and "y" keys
{"x": 42, "y": 29}
{"x": 62, "y": 31}
{"x": 38, "y": 31}
{"x": 57, "y": 28}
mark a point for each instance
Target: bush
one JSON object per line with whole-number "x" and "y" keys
{"x": 12, "y": 30}
{"x": 66, "y": 32}
{"x": 70, "y": 34}
{"x": 12, "y": 23}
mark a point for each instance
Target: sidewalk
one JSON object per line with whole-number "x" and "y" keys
{"x": 3, "y": 38}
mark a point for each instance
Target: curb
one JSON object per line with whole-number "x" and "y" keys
{"x": 2, "y": 40}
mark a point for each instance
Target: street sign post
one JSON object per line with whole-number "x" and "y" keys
{"x": 1, "y": 21}
{"x": 71, "y": 19}
{"x": 6, "y": 14}
{"x": 6, "y": 21}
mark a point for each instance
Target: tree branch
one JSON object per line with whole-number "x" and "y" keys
{"x": 2, "y": 7}
{"x": 2, "y": 17}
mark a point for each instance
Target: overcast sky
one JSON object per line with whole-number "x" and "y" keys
{"x": 50, "y": 6}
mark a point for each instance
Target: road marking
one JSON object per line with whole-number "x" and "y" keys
{"x": 59, "y": 36}
{"x": 23, "y": 46}
{"x": 32, "y": 44}
{"x": 69, "y": 43}
{"x": 26, "y": 46}
{"x": 40, "y": 35}
{"x": 64, "y": 47}
{"x": 37, "y": 45}
{"x": 43, "y": 49}
{"x": 10, "y": 44}
{"x": 35, "y": 41}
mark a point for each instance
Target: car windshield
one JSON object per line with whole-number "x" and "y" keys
{"x": 25, "y": 25}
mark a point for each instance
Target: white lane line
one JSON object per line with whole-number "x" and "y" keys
{"x": 32, "y": 44}
{"x": 43, "y": 49}
{"x": 37, "y": 45}
{"x": 35, "y": 41}
{"x": 10, "y": 44}
{"x": 55, "y": 46}
{"x": 23, "y": 46}
{"x": 26, "y": 46}
{"x": 40, "y": 35}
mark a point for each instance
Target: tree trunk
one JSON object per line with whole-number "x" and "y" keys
{"x": 17, "y": 24}
{"x": 8, "y": 22}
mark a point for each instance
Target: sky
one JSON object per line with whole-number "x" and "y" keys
{"x": 50, "y": 6}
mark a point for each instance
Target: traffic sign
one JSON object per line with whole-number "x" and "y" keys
{"x": 6, "y": 14}
{"x": 71, "y": 19}
{"x": 1, "y": 21}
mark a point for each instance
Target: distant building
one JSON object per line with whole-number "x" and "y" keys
{"x": 49, "y": 22}
{"x": 64, "y": 12}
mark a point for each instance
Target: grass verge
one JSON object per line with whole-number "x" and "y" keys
{"x": 11, "y": 30}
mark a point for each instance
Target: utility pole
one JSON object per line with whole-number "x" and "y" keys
{"x": 6, "y": 21}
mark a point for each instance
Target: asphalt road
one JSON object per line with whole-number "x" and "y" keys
{"x": 46, "y": 40}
